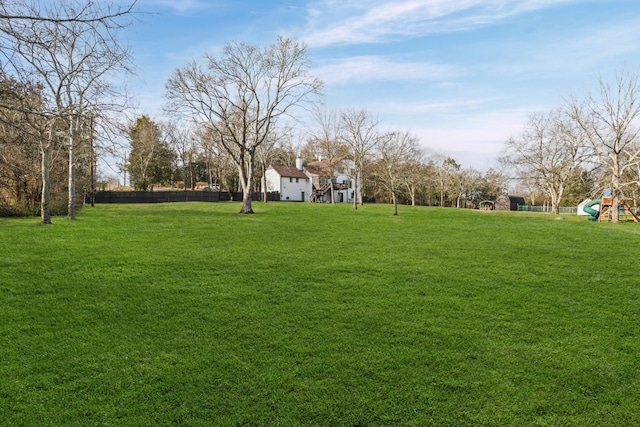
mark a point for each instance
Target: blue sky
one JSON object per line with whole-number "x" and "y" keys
{"x": 463, "y": 75}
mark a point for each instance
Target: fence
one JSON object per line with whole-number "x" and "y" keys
{"x": 547, "y": 209}
{"x": 174, "y": 196}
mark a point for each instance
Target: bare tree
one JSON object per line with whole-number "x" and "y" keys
{"x": 326, "y": 141}
{"x": 215, "y": 159}
{"x": 16, "y": 14}
{"x": 276, "y": 145}
{"x": 360, "y": 133}
{"x": 241, "y": 95}
{"x": 396, "y": 151}
{"x": 415, "y": 176}
{"x": 550, "y": 149}
{"x": 181, "y": 140}
{"x": 465, "y": 184}
{"x": 445, "y": 169}
{"x": 610, "y": 122}
{"x": 69, "y": 47}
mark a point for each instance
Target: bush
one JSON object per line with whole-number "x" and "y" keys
{"x": 18, "y": 211}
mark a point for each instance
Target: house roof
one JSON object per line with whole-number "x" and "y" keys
{"x": 517, "y": 199}
{"x": 289, "y": 171}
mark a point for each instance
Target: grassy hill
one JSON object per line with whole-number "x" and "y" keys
{"x": 304, "y": 314}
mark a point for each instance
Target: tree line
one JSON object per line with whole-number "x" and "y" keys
{"x": 390, "y": 166}
{"x": 232, "y": 115}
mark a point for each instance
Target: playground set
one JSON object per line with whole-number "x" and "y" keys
{"x": 606, "y": 207}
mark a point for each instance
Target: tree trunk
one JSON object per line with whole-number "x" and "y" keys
{"x": 614, "y": 206}
{"x": 395, "y": 203}
{"x": 361, "y": 183}
{"x": 246, "y": 180}
{"x": 71, "y": 204}
{"x": 92, "y": 167}
{"x": 265, "y": 195}
{"x": 615, "y": 189}
{"x": 355, "y": 193}
{"x": 555, "y": 202}
{"x": 45, "y": 204}
{"x": 246, "y": 203}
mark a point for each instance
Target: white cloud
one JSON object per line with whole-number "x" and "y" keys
{"x": 454, "y": 106}
{"x": 368, "y": 22}
{"x": 367, "y": 68}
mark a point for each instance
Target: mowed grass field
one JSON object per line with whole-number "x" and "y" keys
{"x": 318, "y": 315}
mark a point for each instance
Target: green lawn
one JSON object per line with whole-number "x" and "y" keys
{"x": 306, "y": 314}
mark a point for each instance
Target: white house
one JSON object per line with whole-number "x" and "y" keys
{"x": 291, "y": 182}
{"x": 312, "y": 182}
{"x": 325, "y": 174}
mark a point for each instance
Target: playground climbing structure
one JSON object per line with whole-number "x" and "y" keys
{"x": 606, "y": 206}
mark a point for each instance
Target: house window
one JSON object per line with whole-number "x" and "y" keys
{"x": 290, "y": 179}
{"x": 297, "y": 179}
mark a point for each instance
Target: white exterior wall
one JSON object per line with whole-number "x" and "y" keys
{"x": 292, "y": 190}
{"x": 273, "y": 180}
{"x": 346, "y": 194}
{"x": 348, "y": 166}
{"x": 288, "y": 188}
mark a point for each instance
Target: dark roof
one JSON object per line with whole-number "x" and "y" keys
{"x": 289, "y": 171}
{"x": 517, "y": 199}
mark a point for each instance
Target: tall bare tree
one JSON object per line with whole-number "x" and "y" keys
{"x": 214, "y": 158}
{"x": 464, "y": 183}
{"x": 326, "y": 142}
{"x": 550, "y": 148}
{"x": 268, "y": 151}
{"x": 181, "y": 140}
{"x": 69, "y": 47}
{"x": 396, "y": 151}
{"x": 415, "y": 176}
{"x": 445, "y": 169}
{"x": 610, "y": 122}
{"x": 241, "y": 95}
{"x": 360, "y": 132}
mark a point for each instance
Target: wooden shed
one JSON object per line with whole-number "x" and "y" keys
{"x": 487, "y": 205}
{"x": 508, "y": 203}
